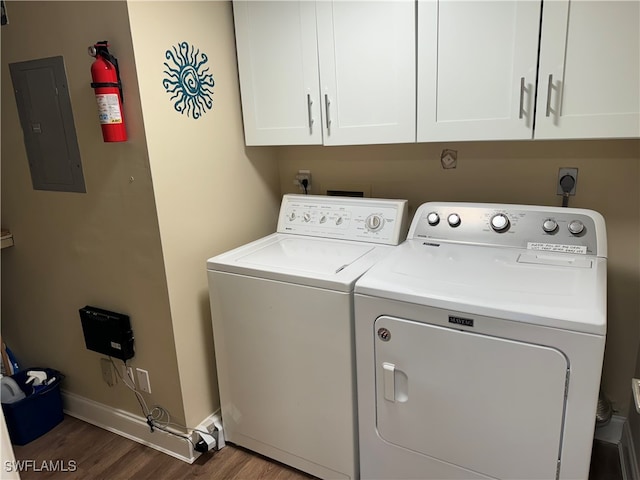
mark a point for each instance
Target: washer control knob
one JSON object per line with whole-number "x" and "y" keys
{"x": 500, "y": 222}
{"x": 291, "y": 216}
{"x": 433, "y": 218}
{"x": 339, "y": 220}
{"x": 323, "y": 219}
{"x": 576, "y": 227}
{"x": 306, "y": 217}
{"x": 374, "y": 222}
{"x": 454, "y": 220}
{"x": 549, "y": 225}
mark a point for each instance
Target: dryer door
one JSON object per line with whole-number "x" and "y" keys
{"x": 487, "y": 404}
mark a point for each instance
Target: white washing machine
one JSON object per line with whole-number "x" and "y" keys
{"x": 282, "y": 310}
{"x": 479, "y": 345}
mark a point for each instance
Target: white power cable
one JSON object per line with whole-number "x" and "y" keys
{"x": 157, "y": 417}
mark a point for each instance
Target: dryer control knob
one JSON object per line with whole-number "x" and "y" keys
{"x": 374, "y": 222}
{"x": 500, "y": 222}
{"x": 339, "y": 220}
{"x": 549, "y": 225}
{"x": 306, "y": 217}
{"x": 433, "y": 218}
{"x": 323, "y": 219}
{"x": 576, "y": 227}
{"x": 291, "y": 216}
{"x": 454, "y": 220}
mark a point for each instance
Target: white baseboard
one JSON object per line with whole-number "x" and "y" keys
{"x": 130, "y": 426}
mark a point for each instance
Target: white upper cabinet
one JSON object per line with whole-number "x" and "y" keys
{"x": 367, "y": 71}
{"x": 332, "y": 73}
{"x": 589, "y": 76}
{"x": 278, "y": 68}
{"x": 477, "y": 69}
{"x": 343, "y": 72}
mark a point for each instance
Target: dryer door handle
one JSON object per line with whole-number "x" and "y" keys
{"x": 395, "y": 383}
{"x": 389, "y": 381}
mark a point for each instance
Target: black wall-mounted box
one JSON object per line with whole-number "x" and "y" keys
{"x": 107, "y": 332}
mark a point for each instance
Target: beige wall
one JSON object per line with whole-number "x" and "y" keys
{"x": 211, "y": 194}
{"x": 101, "y": 248}
{"x": 511, "y": 172}
{"x": 633, "y": 416}
{"x": 177, "y": 192}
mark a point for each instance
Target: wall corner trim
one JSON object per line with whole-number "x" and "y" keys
{"x": 618, "y": 432}
{"x": 127, "y": 425}
{"x": 630, "y": 462}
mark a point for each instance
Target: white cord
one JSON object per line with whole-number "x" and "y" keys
{"x": 158, "y": 416}
{"x": 141, "y": 400}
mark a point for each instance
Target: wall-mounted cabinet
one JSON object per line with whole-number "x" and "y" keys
{"x": 478, "y": 70}
{"x": 589, "y": 74}
{"x": 326, "y": 72}
{"x": 344, "y": 72}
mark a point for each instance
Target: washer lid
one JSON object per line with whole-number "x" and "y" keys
{"x": 544, "y": 288}
{"x": 319, "y": 262}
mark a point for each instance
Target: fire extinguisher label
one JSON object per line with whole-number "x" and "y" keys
{"x": 109, "y": 108}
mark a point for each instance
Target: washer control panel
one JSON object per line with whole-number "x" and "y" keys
{"x": 364, "y": 219}
{"x": 557, "y": 229}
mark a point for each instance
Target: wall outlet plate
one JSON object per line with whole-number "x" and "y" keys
{"x": 143, "y": 380}
{"x": 303, "y": 175}
{"x": 127, "y": 375}
{"x": 107, "y": 372}
{"x": 567, "y": 171}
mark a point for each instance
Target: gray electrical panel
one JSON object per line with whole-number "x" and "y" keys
{"x": 44, "y": 107}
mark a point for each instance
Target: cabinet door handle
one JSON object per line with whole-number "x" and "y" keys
{"x": 549, "y": 88}
{"x": 326, "y": 108}
{"x": 521, "y": 114}
{"x": 309, "y": 103}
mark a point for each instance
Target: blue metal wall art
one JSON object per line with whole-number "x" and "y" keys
{"x": 188, "y": 81}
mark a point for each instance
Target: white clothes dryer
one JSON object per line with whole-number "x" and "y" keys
{"x": 479, "y": 345}
{"x": 282, "y": 311}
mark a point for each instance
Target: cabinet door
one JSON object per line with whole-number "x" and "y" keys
{"x": 367, "y": 71}
{"x": 476, "y": 69}
{"x": 589, "y": 78}
{"x": 278, "y": 69}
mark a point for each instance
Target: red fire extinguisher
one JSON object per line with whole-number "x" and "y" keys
{"x": 108, "y": 88}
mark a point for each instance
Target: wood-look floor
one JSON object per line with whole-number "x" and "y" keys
{"x": 99, "y": 454}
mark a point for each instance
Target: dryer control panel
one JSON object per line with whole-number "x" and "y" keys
{"x": 552, "y": 229}
{"x": 372, "y": 220}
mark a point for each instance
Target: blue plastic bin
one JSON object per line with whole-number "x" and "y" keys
{"x": 38, "y": 412}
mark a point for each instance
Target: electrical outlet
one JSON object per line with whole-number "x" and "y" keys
{"x": 127, "y": 375}
{"x": 303, "y": 175}
{"x": 143, "y": 380}
{"x": 572, "y": 172}
{"x": 107, "y": 372}
{"x": 213, "y": 426}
